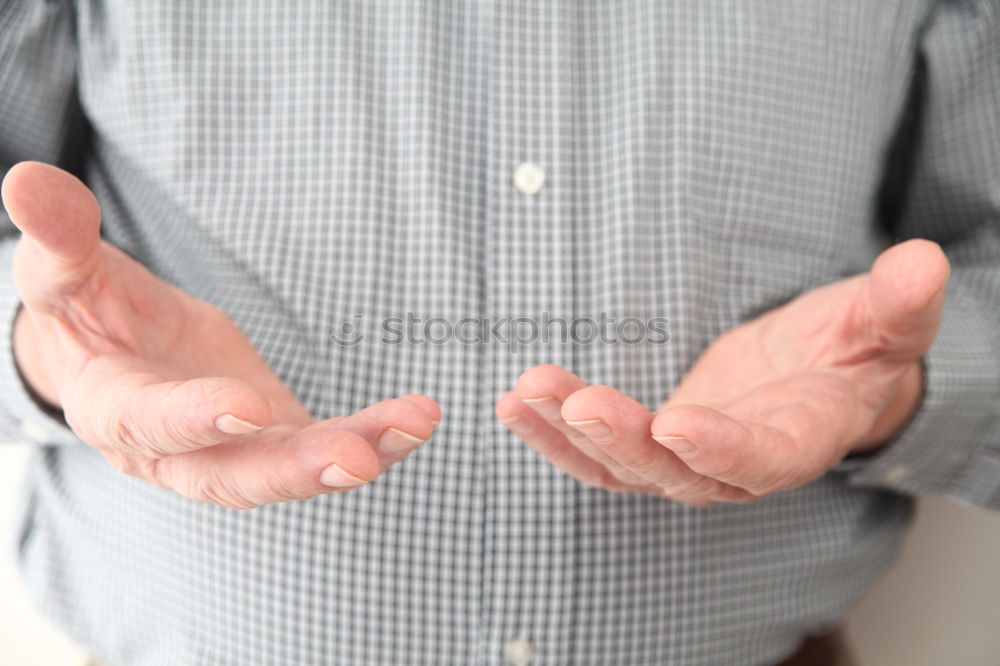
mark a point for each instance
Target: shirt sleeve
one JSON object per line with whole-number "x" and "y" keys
{"x": 40, "y": 119}
{"x": 951, "y": 446}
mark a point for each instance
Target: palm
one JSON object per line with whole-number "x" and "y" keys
{"x": 814, "y": 349}
{"x": 140, "y": 324}
{"x": 147, "y": 338}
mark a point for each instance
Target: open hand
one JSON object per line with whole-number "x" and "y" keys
{"x": 166, "y": 386}
{"x": 771, "y": 405}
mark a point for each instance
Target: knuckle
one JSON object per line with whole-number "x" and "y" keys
{"x": 758, "y": 490}
{"x": 124, "y": 432}
{"x": 123, "y": 437}
{"x": 134, "y": 466}
{"x": 783, "y": 477}
{"x": 622, "y": 475}
{"x": 181, "y": 433}
{"x": 177, "y": 431}
{"x": 728, "y": 467}
{"x": 216, "y": 488}
{"x": 281, "y": 492}
{"x": 181, "y": 427}
{"x": 603, "y": 479}
{"x": 153, "y": 475}
{"x": 696, "y": 486}
{"x": 646, "y": 467}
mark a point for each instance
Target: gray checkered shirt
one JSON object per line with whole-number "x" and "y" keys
{"x": 307, "y": 164}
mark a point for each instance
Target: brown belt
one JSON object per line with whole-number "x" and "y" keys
{"x": 826, "y": 650}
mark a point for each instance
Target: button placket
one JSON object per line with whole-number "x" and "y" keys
{"x": 530, "y": 266}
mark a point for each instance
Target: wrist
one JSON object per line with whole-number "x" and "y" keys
{"x": 899, "y": 412}
{"x": 29, "y": 363}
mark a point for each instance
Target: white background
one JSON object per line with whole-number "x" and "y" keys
{"x": 939, "y": 606}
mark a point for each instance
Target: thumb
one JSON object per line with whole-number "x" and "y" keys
{"x": 907, "y": 286}
{"x": 60, "y": 220}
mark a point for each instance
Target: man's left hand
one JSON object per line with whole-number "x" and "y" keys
{"x": 771, "y": 405}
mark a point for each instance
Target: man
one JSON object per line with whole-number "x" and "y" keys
{"x": 278, "y": 187}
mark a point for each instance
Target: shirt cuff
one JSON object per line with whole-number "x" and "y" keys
{"x": 26, "y": 417}
{"x": 951, "y": 445}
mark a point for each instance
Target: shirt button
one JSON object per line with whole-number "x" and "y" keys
{"x": 897, "y": 473}
{"x": 528, "y": 178}
{"x": 518, "y": 652}
{"x": 34, "y": 431}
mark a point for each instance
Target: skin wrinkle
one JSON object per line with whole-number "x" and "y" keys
{"x": 824, "y": 383}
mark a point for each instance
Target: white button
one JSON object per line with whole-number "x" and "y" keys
{"x": 897, "y": 473}
{"x": 528, "y": 178}
{"x": 518, "y": 652}
{"x": 34, "y": 432}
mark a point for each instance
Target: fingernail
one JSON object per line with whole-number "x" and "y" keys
{"x": 682, "y": 446}
{"x": 335, "y": 477}
{"x": 547, "y": 406}
{"x": 519, "y": 425}
{"x": 231, "y": 425}
{"x": 396, "y": 441}
{"x": 595, "y": 429}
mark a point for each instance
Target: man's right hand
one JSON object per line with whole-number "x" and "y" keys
{"x": 164, "y": 385}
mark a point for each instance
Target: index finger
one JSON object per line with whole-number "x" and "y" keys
{"x": 625, "y": 437}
